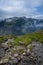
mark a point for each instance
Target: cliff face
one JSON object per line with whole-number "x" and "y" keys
{"x": 20, "y": 25}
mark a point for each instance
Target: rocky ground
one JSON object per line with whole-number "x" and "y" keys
{"x": 21, "y": 55}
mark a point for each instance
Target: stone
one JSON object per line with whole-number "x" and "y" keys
{"x": 2, "y": 53}
{"x": 13, "y": 61}
{"x": 2, "y": 61}
{"x": 28, "y": 50}
{"x": 16, "y": 55}
{"x": 21, "y": 43}
{"x": 24, "y": 54}
{"x": 21, "y": 56}
{"x": 5, "y": 46}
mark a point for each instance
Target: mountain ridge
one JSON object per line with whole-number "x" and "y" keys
{"x": 20, "y": 25}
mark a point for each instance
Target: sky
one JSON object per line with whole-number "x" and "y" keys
{"x": 19, "y": 8}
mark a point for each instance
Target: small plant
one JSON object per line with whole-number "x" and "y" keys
{"x": 31, "y": 47}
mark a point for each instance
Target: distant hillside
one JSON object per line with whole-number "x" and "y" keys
{"x": 20, "y": 25}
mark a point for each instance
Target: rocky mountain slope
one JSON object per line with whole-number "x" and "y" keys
{"x": 22, "y": 50}
{"x": 20, "y": 25}
{"x": 21, "y": 55}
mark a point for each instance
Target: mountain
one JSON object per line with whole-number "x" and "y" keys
{"x": 20, "y": 25}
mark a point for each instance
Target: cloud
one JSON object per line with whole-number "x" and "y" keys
{"x": 28, "y": 8}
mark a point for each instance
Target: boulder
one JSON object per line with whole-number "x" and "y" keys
{"x": 5, "y": 46}
{"x": 3, "y": 61}
{"x": 13, "y": 61}
{"x": 2, "y": 53}
{"x": 21, "y": 43}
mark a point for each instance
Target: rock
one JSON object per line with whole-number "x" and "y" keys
{"x": 24, "y": 54}
{"x": 9, "y": 53}
{"x": 21, "y": 56}
{"x": 5, "y": 46}
{"x": 29, "y": 46}
{"x": 18, "y": 59}
{"x": 2, "y": 61}
{"x": 28, "y": 50}
{"x": 13, "y": 61}
{"x": 16, "y": 55}
{"x": 27, "y": 61}
{"x": 2, "y": 53}
{"x": 21, "y": 48}
{"x": 28, "y": 53}
{"x": 21, "y": 43}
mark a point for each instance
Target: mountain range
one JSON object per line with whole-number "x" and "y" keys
{"x": 20, "y": 25}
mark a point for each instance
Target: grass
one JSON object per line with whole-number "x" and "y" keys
{"x": 27, "y": 38}
{"x": 30, "y": 48}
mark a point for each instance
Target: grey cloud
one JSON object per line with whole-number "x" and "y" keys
{"x": 27, "y": 8}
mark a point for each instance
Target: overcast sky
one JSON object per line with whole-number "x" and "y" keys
{"x": 28, "y": 8}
